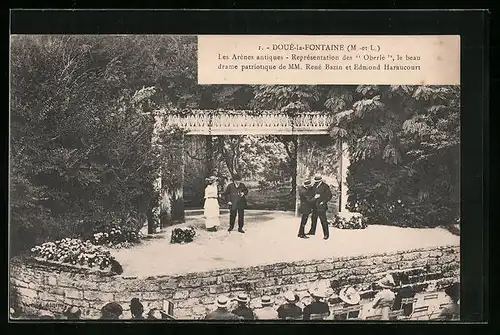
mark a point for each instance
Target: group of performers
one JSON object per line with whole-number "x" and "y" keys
{"x": 314, "y": 198}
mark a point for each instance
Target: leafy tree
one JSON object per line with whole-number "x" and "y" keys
{"x": 81, "y": 154}
{"x": 404, "y": 144}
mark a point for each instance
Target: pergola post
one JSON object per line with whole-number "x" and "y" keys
{"x": 154, "y": 220}
{"x": 343, "y": 167}
{"x": 300, "y": 171}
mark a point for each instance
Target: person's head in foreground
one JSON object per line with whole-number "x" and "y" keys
{"x": 318, "y": 294}
{"x": 266, "y": 301}
{"x": 349, "y": 296}
{"x": 136, "y": 308}
{"x": 111, "y": 311}
{"x": 242, "y": 299}
{"x": 291, "y": 297}
{"x": 237, "y": 178}
{"x": 222, "y": 302}
{"x": 72, "y": 313}
{"x": 14, "y": 313}
{"x": 46, "y": 315}
{"x": 155, "y": 314}
{"x": 453, "y": 291}
{"x": 387, "y": 282}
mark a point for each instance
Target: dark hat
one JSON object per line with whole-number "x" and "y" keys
{"x": 236, "y": 177}
{"x": 112, "y": 308}
{"x": 135, "y": 303}
{"x": 453, "y": 290}
{"x": 307, "y": 182}
{"x": 318, "y": 178}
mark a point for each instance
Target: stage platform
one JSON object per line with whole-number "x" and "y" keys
{"x": 271, "y": 237}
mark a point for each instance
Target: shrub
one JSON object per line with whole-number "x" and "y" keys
{"x": 75, "y": 252}
{"x": 116, "y": 236}
{"x": 182, "y": 235}
{"x": 355, "y": 222}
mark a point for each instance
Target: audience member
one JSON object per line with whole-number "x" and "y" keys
{"x": 14, "y": 313}
{"x": 350, "y": 297}
{"x": 289, "y": 310}
{"x": 46, "y": 315}
{"x": 267, "y": 311}
{"x": 72, "y": 313}
{"x": 154, "y": 314}
{"x": 136, "y": 309}
{"x": 222, "y": 313}
{"x": 403, "y": 293}
{"x": 111, "y": 311}
{"x": 384, "y": 299}
{"x": 318, "y": 309}
{"x": 451, "y": 311}
{"x": 243, "y": 310}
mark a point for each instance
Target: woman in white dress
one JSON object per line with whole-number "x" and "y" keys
{"x": 211, "y": 209}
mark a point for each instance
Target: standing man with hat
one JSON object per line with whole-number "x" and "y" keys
{"x": 323, "y": 194}
{"x": 243, "y": 310}
{"x": 307, "y": 198}
{"x": 222, "y": 313}
{"x": 235, "y": 195}
{"x": 384, "y": 299}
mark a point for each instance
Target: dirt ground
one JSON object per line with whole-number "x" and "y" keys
{"x": 271, "y": 237}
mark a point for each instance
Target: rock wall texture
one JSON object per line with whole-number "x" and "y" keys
{"x": 36, "y": 286}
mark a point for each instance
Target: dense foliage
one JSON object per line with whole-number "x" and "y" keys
{"x": 81, "y": 153}
{"x": 83, "y": 162}
{"x": 404, "y": 144}
{"x": 354, "y": 222}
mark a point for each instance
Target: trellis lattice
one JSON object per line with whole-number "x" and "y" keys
{"x": 242, "y": 122}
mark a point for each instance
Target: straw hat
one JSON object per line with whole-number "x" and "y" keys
{"x": 242, "y": 297}
{"x": 307, "y": 182}
{"x": 318, "y": 177}
{"x": 46, "y": 315}
{"x": 318, "y": 292}
{"x": 290, "y": 296}
{"x": 349, "y": 295}
{"x": 266, "y": 300}
{"x": 387, "y": 282}
{"x": 222, "y": 301}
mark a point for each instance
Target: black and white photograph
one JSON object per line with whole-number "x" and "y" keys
{"x": 137, "y": 193}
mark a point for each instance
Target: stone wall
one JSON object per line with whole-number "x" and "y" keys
{"x": 44, "y": 287}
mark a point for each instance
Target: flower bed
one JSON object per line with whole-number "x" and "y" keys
{"x": 182, "y": 235}
{"x": 75, "y": 252}
{"x": 354, "y": 222}
{"x": 116, "y": 237}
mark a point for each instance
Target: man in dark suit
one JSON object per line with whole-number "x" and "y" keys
{"x": 320, "y": 207}
{"x": 307, "y": 199}
{"x": 235, "y": 195}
